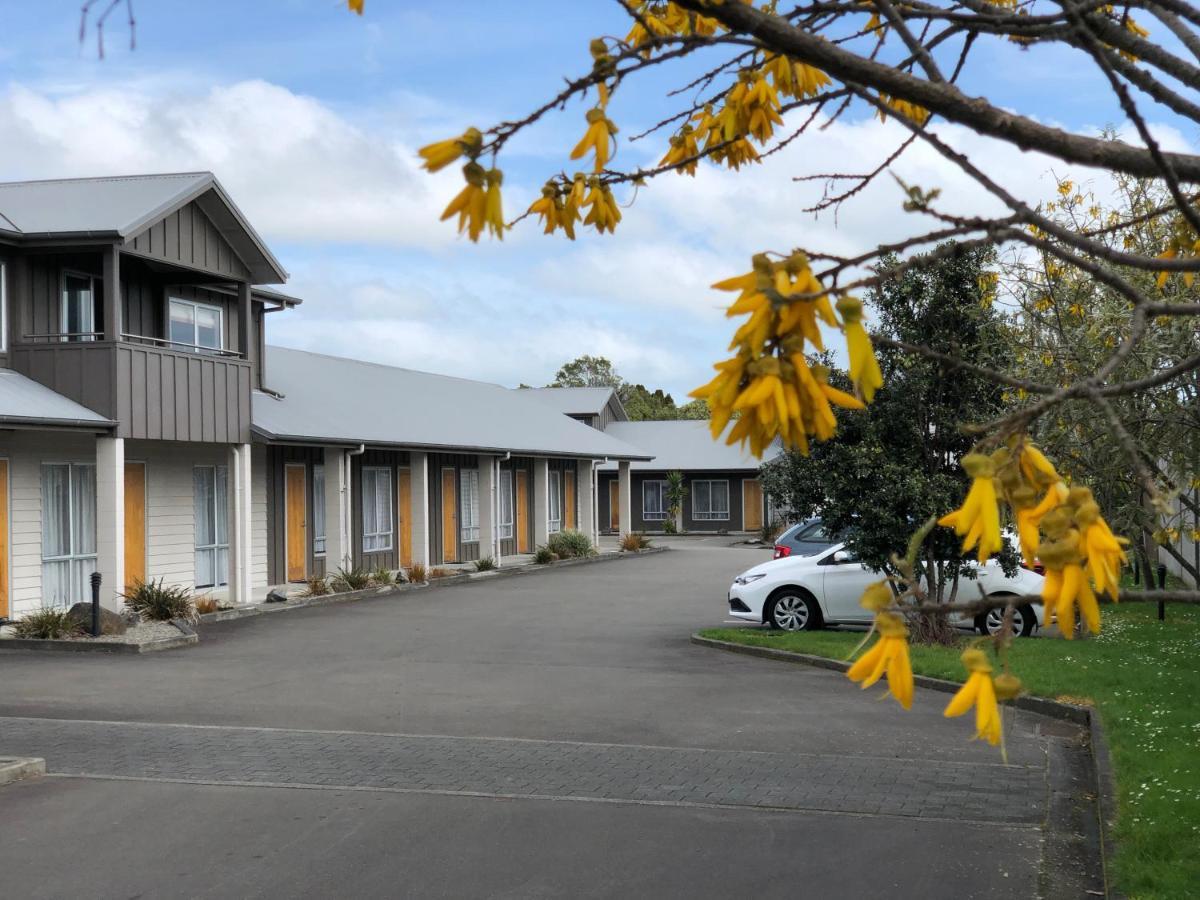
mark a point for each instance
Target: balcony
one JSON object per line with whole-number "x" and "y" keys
{"x": 151, "y": 387}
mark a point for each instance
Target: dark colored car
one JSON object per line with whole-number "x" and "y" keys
{"x": 803, "y": 539}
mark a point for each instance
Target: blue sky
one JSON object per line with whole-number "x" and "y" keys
{"x": 311, "y": 118}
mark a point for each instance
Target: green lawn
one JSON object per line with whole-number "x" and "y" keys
{"x": 1144, "y": 677}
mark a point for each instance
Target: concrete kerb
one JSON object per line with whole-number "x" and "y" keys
{"x": 17, "y": 768}
{"x": 1100, "y": 775}
{"x": 185, "y": 638}
{"x": 259, "y": 609}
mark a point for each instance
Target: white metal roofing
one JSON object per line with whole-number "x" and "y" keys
{"x": 125, "y": 206}
{"x": 684, "y": 444}
{"x": 331, "y": 400}
{"x": 23, "y": 400}
{"x": 578, "y": 401}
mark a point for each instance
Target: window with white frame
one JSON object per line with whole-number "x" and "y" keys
{"x": 78, "y": 307}
{"x": 505, "y": 525}
{"x": 555, "y": 501}
{"x": 3, "y": 306}
{"x": 468, "y": 505}
{"x": 710, "y": 500}
{"x": 211, "y": 501}
{"x": 196, "y": 326}
{"x": 377, "y": 508}
{"x": 318, "y": 509}
{"x": 654, "y": 501}
{"x": 68, "y": 532}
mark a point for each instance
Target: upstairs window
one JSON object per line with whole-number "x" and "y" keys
{"x": 195, "y": 327}
{"x": 78, "y": 307}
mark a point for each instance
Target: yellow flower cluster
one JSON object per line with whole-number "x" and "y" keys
{"x": 599, "y": 139}
{"x": 982, "y": 691}
{"x": 664, "y": 20}
{"x": 769, "y": 382}
{"x": 889, "y": 655}
{"x": 910, "y": 111}
{"x": 1078, "y": 545}
{"x": 1183, "y": 243}
{"x": 478, "y": 204}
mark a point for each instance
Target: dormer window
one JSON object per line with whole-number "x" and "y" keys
{"x": 78, "y": 307}
{"x": 195, "y": 326}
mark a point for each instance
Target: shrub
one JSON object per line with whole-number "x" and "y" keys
{"x": 206, "y": 604}
{"x": 47, "y": 624}
{"x": 154, "y": 601}
{"x": 485, "y": 564}
{"x": 382, "y": 576}
{"x": 352, "y": 580}
{"x": 416, "y": 573}
{"x": 570, "y": 543}
{"x": 634, "y": 541}
{"x": 544, "y": 556}
{"x": 316, "y": 586}
{"x": 669, "y": 527}
{"x": 770, "y": 531}
{"x": 438, "y": 572}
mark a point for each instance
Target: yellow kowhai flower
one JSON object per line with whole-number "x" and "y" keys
{"x": 602, "y": 207}
{"x": 493, "y": 214}
{"x": 438, "y": 156}
{"x": 647, "y": 27}
{"x": 598, "y": 138}
{"x": 1065, "y": 584}
{"x": 977, "y": 521}
{"x": 796, "y": 79}
{"x": 684, "y": 150}
{"x": 864, "y": 368}
{"x": 1029, "y": 512}
{"x": 550, "y": 208}
{"x": 910, "y": 111}
{"x": 1076, "y": 309}
{"x": 737, "y": 154}
{"x": 470, "y": 205}
{"x": 978, "y": 691}
{"x": 355, "y": 6}
{"x": 888, "y": 655}
{"x": 1100, "y": 546}
{"x": 1034, "y": 466}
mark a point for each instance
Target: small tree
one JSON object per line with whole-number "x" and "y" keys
{"x": 676, "y": 493}
{"x": 588, "y": 371}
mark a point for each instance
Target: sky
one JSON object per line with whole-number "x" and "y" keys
{"x": 311, "y": 118}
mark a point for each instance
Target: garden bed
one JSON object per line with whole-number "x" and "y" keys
{"x": 144, "y": 637}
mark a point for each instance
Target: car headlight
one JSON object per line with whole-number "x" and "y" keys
{"x": 747, "y": 579}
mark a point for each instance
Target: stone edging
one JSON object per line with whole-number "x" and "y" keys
{"x": 186, "y": 637}
{"x": 1103, "y": 781}
{"x": 258, "y": 609}
{"x": 16, "y": 768}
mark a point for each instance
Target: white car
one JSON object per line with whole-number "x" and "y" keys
{"x": 798, "y": 593}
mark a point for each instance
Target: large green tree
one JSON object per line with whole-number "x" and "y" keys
{"x": 640, "y": 402}
{"x": 894, "y": 465}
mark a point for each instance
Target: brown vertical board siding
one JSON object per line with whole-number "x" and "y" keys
{"x": 187, "y": 236}
{"x": 390, "y": 459}
{"x": 404, "y": 513}
{"x": 277, "y": 458}
{"x": 135, "y": 523}
{"x": 296, "y": 480}
{"x": 4, "y": 571}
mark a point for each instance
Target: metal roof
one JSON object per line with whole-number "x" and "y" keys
{"x": 124, "y": 206}
{"x": 573, "y": 401}
{"x": 331, "y": 400}
{"x": 684, "y": 444}
{"x": 24, "y": 401}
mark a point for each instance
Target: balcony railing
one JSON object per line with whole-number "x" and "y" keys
{"x": 63, "y": 337}
{"x": 180, "y": 345}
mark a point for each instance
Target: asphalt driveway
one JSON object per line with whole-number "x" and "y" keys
{"x": 546, "y": 735}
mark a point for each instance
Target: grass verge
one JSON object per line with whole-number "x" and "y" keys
{"x": 1144, "y": 678}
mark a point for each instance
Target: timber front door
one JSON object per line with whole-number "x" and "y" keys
{"x": 135, "y": 523}
{"x": 297, "y": 522}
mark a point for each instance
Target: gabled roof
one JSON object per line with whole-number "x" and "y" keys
{"x": 331, "y": 400}
{"x": 575, "y": 401}
{"x": 684, "y": 444}
{"x": 24, "y": 401}
{"x": 124, "y": 206}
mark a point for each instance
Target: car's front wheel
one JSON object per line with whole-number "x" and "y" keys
{"x": 791, "y": 610}
{"x": 1023, "y": 623}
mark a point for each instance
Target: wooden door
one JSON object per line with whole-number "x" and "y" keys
{"x": 4, "y": 537}
{"x": 752, "y": 505}
{"x": 135, "y": 523}
{"x": 449, "y": 515}
{"x": 296, "y": 525}
{"x": 522, "y": 511}
{"x": 614, "y": 505}
{"x": 404, "y": 514}
{"x": 569, "y": 490}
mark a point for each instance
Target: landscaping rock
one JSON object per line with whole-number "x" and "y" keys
{"x": 110, "y": 622}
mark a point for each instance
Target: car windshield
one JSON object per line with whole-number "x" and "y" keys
{"x": 812, "y": 532}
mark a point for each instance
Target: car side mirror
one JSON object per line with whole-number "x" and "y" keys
{"x": 842, "y": 556}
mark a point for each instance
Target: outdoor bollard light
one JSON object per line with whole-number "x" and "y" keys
{"x": 95, "y": 604}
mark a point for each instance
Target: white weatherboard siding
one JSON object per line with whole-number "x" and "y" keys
{"x": 258, "y": 521}
{"x": 26, "y": 451}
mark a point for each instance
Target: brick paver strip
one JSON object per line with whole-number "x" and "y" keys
{"x": 527, "y": 768}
